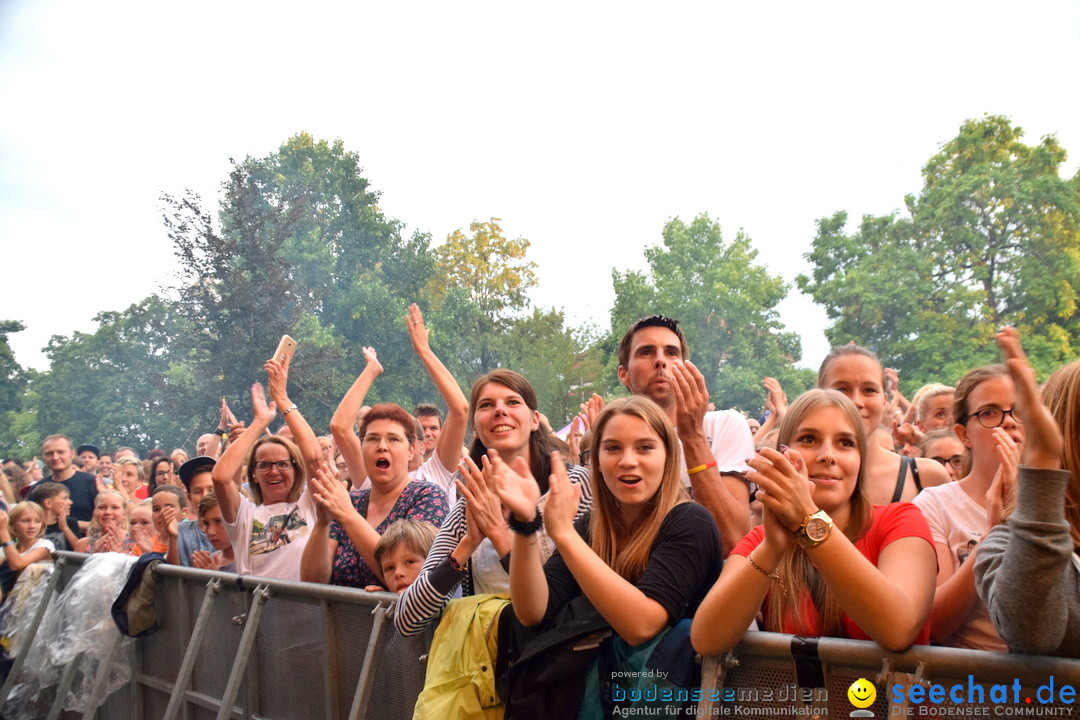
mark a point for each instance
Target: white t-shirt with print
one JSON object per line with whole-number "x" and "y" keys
{"x": 269, "y": 540}
{"x": 958, "y": 522}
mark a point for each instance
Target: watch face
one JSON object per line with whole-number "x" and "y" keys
{"x": 817, "y": 529}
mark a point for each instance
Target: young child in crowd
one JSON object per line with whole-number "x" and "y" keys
{"x": 60, "y": 528}
{"x": 107, "y": 531}
{"x": 196, "y": 474}
{"x": 21, "y": 542}
{"x": 212, "y": 525}
{"x": 401, "y": 552}
{"x": 142, "y": 535}
{"x": 167, "y": 510}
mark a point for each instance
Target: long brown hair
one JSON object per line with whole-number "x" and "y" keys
{"x": 541, "y": 444}
{"x": 802, "y": 577}
{"x": 626, "y": 549}
{"x": 1061, "y": 393}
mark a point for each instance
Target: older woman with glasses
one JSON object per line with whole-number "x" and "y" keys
{"x": 268, "y": 535}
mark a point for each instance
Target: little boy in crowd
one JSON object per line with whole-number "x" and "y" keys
{"x": 196, "y": 476}
{"x": 213, "y": 526}
{"x": 401, "y": 552}
{"x": 60, "y": 529}
{"x": 167, "y": 506}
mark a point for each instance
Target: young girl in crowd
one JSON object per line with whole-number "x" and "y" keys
{"x": 107, "y": 531}
{"x": 644, "y": 557}
{"x": 21, "y": 529}
{"x": 943, "y": 446}
{"x": 856, "y": 372}
{"x": 826, "y": 562}
{"x": 141, "y": 532}
{"x": 473, "y": 542}
{"x": 961, "y": 513}
{"x": 1022, "y": 568}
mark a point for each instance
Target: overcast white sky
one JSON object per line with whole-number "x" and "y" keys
{"x": 585, "y": 126}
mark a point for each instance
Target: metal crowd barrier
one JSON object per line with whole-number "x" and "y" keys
{"x": 241, "y": 647}
{"x": 238, "y": 646}
{"x": 770, "y": 675}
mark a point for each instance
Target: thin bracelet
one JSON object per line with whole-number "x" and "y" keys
{"x": 291, "y": 408}
{"x": 699, "y": 468}
{"x": 774, "y": 575}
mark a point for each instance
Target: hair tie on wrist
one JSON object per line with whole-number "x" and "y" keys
{"x": 526, "y": 529}
{"x": 700, "y": 468}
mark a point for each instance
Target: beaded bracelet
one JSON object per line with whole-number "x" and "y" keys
{"x": 774, "y": 575}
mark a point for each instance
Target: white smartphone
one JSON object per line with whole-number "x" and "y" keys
{"x": 285, "y": 348}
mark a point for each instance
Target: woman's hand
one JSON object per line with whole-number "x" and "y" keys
{"x": 785, "y": 489}
{"x": 573, "y": 440}
{"x": 778, "y": 538}
{"x": 591, "y": 409}
{"x": 482, "y": 499}
{"x": 330, "y": 494}
{"x": 516, "y": 487}
{"x": 4, "y": 522}
{"x": 264, "y": 414}
{"x": 776, "y": 400}
{"x": 371, "y": 358}
{"x": 1042, "y": 437}
{"x": 1001, "y": 497}
{"x": 277, "y": 378}
{"x": 562, "y": 501}
{"x": 418, "y": 332}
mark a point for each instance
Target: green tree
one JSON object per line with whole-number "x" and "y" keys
{"x": 18, "y": 436}
{"x": 726, "y": 303}
{"x": 481, "y": 280}
{"x": 556, "y": 360}
{"x": 12, "y": 381}
{"x": 113, "y": 386}
{"x": 992, "y": 239}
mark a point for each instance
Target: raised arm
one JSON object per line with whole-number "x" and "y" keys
{"x": 457, "y": 407}
{"x": 726, "y": 497}
{"x": 232, "y": 460}
{"x": 342, "y": 424}
{"x": 277, "y": 374}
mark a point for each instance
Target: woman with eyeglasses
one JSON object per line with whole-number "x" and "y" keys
{"x": 962, "y": 512}
{"x": 268, "y": 533}
{"x": 349, "y": 525}
{"x": 162, "y": 472}
{"x": 944, "y": 447}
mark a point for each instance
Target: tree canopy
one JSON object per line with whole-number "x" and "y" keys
{"x": 992, "y": 239}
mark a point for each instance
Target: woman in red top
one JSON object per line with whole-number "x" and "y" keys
{"x": 825, "y": 562}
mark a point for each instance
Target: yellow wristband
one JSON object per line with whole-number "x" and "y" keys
{"x": 699, "y": 468}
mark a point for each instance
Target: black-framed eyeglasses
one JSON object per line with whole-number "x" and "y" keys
{"x": 992, "y": 417}
{"x": 162, "y": 473}
{"x": 956, "y": 461}
{"x": 281, "y": 465}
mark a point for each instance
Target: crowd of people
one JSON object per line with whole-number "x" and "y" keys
{"x": 673, "y": 527}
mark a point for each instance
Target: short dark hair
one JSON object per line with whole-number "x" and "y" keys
{"x": 46, "y": 491}
{"x": 646, "y": 322}
{"x": 181, "y": 496}
{"x": 427, "y": 410}
{"x": 393, "y": 412}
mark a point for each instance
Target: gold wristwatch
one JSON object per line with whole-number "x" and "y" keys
{"x": 814, "y": 529}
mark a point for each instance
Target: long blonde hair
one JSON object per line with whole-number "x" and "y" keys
{"x": 626, "y": 549}
{"x": 795, "y": 567}
{"x": 1061, "y": 393}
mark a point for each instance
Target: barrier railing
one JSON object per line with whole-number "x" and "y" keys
{"x": 769, "y": 675}
{"x": 239, "y": 647}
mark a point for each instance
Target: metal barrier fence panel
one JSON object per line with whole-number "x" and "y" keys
{"x": 760, "y": 680}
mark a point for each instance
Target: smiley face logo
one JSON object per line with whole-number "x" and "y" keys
{"x": 862, "y": 693}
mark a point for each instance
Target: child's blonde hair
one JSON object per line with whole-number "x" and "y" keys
{"x": 414, "y": 535}
{"x": 94, "y": 528}
{"x": 27, "y": 506}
